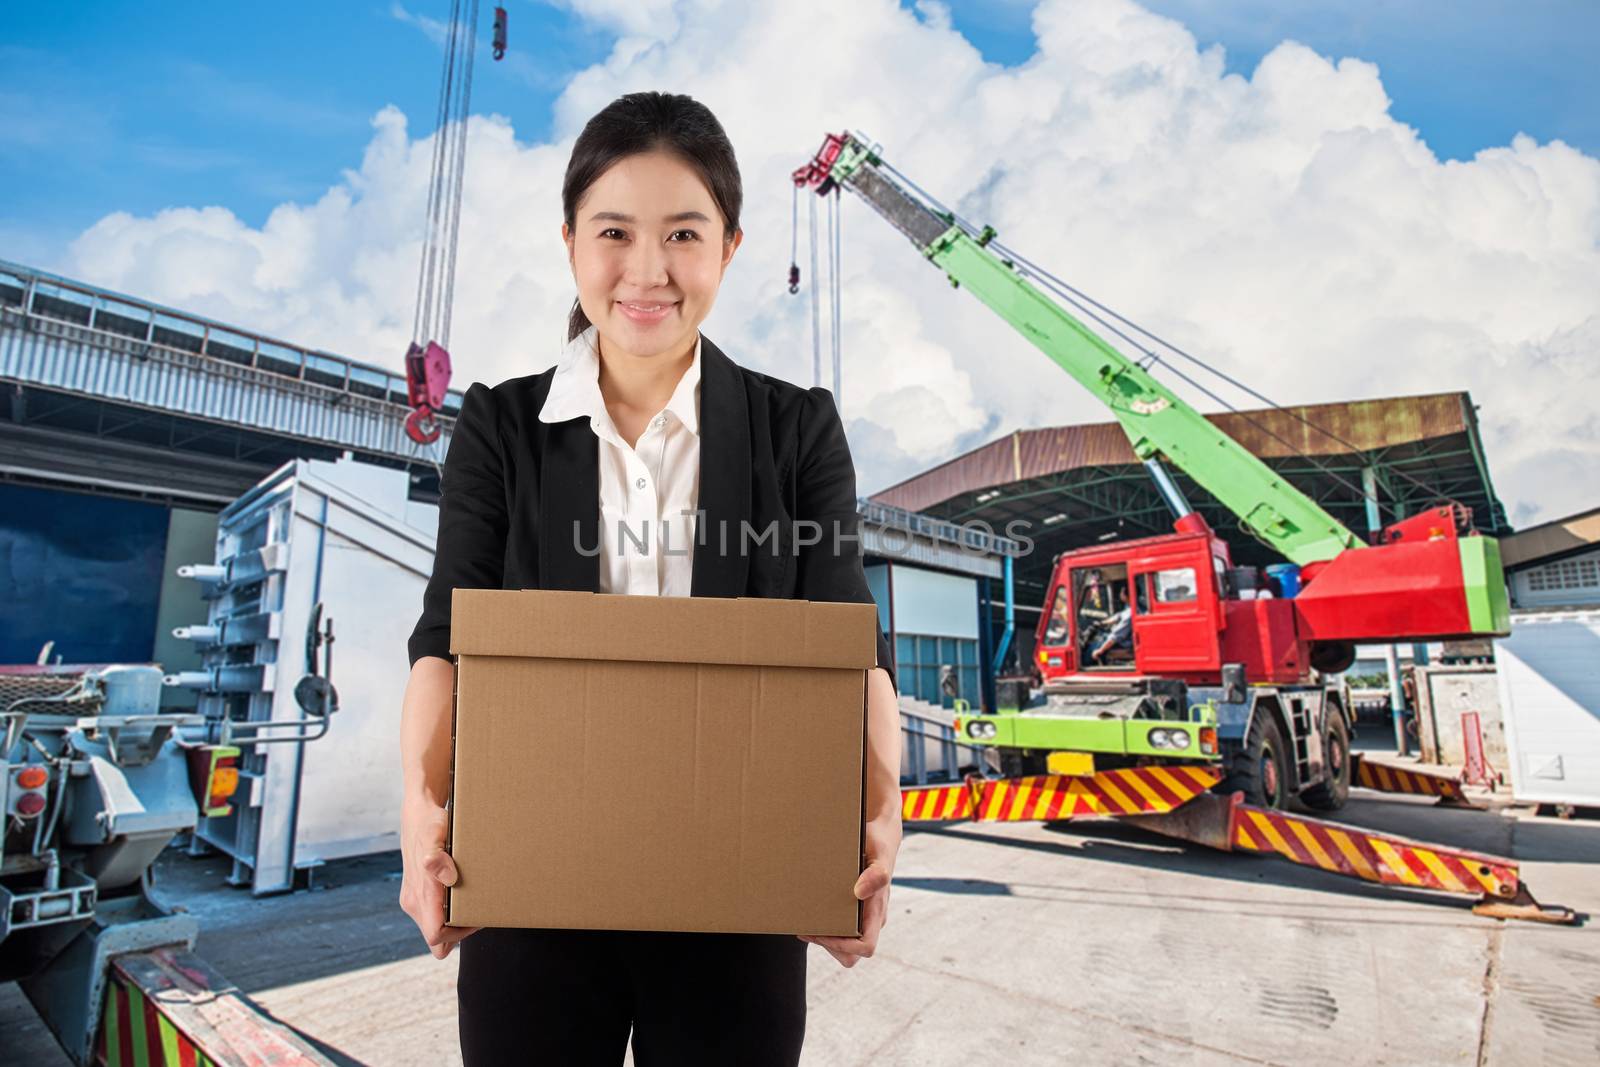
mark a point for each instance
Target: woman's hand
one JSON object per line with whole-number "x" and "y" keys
{"x": 428, "y": 868}
{"x": 882, "y": 845}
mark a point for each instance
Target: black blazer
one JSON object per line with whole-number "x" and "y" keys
{"x": 770, "y": 452}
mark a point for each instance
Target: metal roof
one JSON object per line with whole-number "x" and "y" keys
{"x": 1558, "y": 537}
{"x": 1272, "y": 433}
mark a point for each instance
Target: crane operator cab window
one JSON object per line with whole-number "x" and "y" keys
{"x": 1176, "y": 586}
{"x": 1060, "y": 619}
{"x": 1105, "y": 616}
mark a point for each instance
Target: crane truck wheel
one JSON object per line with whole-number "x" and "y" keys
{"x": 1331, "y": 793}
{"x": 1260, "y": 770}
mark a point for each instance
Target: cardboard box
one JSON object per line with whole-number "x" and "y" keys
{"x": 658, "y": 763}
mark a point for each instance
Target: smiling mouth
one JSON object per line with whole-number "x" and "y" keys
{"x": 646, "y": 308}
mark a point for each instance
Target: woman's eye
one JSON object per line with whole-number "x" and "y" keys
{"x": 692, "y": 235}
{"x": 612, "y": 230}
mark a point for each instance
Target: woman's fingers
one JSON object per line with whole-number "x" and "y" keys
{"x": 846, "y": 959}
{"x": 448, "y": 937}
{"x": 441, "y": 867}
{"x": 427, "y": 870}
{"x": 874, "y": 879}
{"x": 851, "y": 950}
{"x": 872, "y": 888}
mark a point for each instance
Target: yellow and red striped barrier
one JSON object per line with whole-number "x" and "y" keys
{"x": 1389, "y": 779}
{"x": 936, "y": 803}
{"x": 1177, "y": 801}
{"x": 1374, "y": 857}
{"x": 1128, "y": 791}
{"x": 1229, "y": 824}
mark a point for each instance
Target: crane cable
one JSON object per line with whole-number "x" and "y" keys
{"x": 1082, "y": 303}
{"x": 835, "y": 240}
{"x": 816, "y": 301}
{"x": 436, "y": 278}
{"x": 1078, "y": 300}
{"x": 835, "y": 260}
{"x": 435, "y": 296}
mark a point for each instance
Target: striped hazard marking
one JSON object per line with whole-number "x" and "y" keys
{"x": 135, "y": 1034}
{"x": 936, "y": 803}
{"x": 168, "y": 1008}
{"x": 1373, "y": 857}
{"x": 1387, "y": 779}
{"x": 1128, "y": 791}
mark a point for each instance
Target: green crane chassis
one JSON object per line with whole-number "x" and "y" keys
{"x": 1276, "y": 744}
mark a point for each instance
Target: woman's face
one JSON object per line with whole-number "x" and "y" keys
{"x": 647, "y": 253}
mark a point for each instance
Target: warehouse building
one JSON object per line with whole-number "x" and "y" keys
{"x": 1555, "y": 564}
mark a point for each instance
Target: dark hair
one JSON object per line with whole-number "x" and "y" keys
{"x": 648, "y": 122}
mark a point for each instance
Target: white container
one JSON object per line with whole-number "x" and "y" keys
{"x": 345, "y": 536}
{"x": 1549, "y": 678}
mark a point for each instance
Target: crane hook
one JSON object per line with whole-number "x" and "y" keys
{"x": 499, "y": 33}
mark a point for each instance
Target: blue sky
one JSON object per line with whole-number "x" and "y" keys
{"x": 112, "y": 106}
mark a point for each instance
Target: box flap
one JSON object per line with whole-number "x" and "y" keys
{"x": 569, "y": 624}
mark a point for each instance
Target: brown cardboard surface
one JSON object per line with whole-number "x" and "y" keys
{"x": 658, "y": 763}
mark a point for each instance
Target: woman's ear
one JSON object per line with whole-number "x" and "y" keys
{"x": 567, "y": 239}
{"x": 730, "y": 246}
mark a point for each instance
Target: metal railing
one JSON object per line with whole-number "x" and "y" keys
{"x": 962, "y": 535}
{"x": 918, "y": 732}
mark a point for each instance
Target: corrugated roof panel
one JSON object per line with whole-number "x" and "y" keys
{"x": 1271, "y": 433}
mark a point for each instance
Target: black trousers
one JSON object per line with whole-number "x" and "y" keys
{"x": 571, "y": 996}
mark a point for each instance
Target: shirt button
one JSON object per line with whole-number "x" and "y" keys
{"x": 660, "y": 421}
{"x": 639, "y": 484}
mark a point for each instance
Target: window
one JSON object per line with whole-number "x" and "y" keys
{"x": 1565, "y": 574}
{"x": 1175, "y": 586}
{"x": 919, "y": 657}
{"x": 1060, "y": 621}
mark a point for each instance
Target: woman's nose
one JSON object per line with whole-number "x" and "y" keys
{"x": 646, "y": 266}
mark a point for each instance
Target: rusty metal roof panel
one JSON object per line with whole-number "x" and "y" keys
{"x": 1313, "y": 429}
{"x": 1049, "y": 451}
{"x": 1367, "y": 425}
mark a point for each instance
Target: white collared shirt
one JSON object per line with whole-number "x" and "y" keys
{"x": 649, "y": 492}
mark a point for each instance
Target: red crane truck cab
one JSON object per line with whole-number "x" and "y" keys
{"x": 1172, "y": 606}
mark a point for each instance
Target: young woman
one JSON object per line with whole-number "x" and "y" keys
{"x": 641, "y": 418}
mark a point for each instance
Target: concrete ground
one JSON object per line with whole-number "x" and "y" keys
{"x": 1029, "y": 944}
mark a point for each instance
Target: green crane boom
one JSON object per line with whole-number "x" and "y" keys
{"x": 1159, "y": 425}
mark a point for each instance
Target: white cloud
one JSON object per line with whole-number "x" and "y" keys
{"x": 436, "y": 31}
{"x": 1284, "y": 225}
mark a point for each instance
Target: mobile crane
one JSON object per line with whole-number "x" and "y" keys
{"x": 1161, "y": 647}
{"x": 1218, "y": 712}
{"x": 1212, "y": 669}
